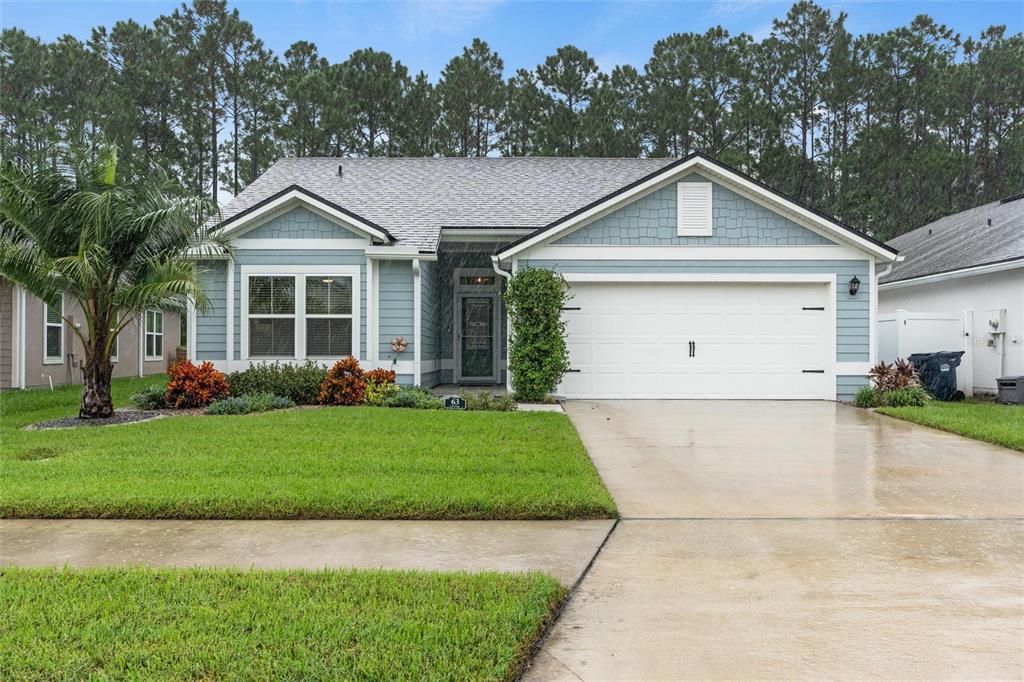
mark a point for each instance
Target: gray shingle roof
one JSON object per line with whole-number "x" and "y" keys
{"x": 962, "y": 240}
{"x": 413, "y": 198}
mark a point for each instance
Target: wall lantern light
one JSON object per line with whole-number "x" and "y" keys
{"x": 854, "y": 286}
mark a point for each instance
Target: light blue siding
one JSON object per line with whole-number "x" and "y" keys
{"x": 736, "y": 221}
{"x": 396, "y": 307}
{"x": 300, "y": 223}
{"x": 852, "y": 320}
{"x": 430, "y": 320}
{"x": 301, "y": 257}
{"x": 211, "y": 325}
{"x": 846, "y": 386}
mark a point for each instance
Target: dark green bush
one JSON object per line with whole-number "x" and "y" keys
{"x": 300, "y": 383}
{"x": 484, "y": 401}
{"x": 866, "y": 397}
{"x": 914, "y": 396}
{"x": 250, "y": 402}
{"x": 150, "y": 398}
{"x": 537, "y": 353}
{"x": 415, "y": 397}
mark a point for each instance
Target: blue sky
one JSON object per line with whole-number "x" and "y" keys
{"x": 425, "y": 35}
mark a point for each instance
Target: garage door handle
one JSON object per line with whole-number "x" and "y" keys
{"x": 814, "y": 307}
{"x": 813, "y": 371}
{"x": 693, "y": 349}
{"x": 571, "y": 308}
{"x": 573, "y": 371}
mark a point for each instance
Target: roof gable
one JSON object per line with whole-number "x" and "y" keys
{"x": 736, "y": 221}
{"x": 720, "y": 173}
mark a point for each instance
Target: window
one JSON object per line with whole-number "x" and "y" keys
{"x": 328, "y": 316}
{"x": 272, "y": 316}
{"x": 117, "y": 340}
{"x": 154, "y": 335}
{"x": 53, "y": 332}
{"x": 693, "y": 209}
{"x": 477, "y": 280}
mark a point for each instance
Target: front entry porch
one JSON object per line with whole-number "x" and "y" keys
{"x": 464, "y": 323}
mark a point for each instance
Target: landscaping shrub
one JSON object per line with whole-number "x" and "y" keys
{"x": 901, "y": 374}
{"x": 150, "y": 398}
{"x": 912, "y": 396}
{"x": 484, "y": 401}
{"x": 415, "y": 397}
{"x": 866, "y": 397}
{"x": 300, "y": 383}
{"x": 344, "y": 384}
{"x": 537, "y": 352}
{"x": 250, "y": 402}
{"x": 191, "y": 385}
{"x": 380, "y": 385}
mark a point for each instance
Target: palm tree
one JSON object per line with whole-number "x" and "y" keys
{"x": 116, "y": 249}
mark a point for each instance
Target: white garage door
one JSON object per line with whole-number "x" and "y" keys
{"x": 699, "y": 340}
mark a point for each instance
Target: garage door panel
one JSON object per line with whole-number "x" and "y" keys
{"x": 632, "y": 340}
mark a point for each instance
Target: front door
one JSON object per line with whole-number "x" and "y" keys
{"x": 476, "y": 342}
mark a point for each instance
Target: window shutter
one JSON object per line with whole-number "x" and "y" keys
{"x": 693, "y": 209}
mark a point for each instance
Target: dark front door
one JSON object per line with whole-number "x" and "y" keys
{"x": 477, "y": 338}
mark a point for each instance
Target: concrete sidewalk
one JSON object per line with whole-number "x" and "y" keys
{"x": 560, "y": 548}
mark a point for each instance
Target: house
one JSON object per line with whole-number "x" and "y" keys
{"x": 689, "y": 279}
{"x": 961, "y": 287}
{"x": 39, "y": 348}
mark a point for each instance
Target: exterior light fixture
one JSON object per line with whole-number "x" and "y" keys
{"x": 854, "y": 286}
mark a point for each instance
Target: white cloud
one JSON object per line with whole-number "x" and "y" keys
{"x": 418, "y": 20}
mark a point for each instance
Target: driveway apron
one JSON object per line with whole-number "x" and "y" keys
{"x": 794, "y": 540}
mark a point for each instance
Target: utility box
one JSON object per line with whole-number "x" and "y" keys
{"x": 1011, "y": 390}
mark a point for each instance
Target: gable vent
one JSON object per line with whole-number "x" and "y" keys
{"x": 693, "y": 209}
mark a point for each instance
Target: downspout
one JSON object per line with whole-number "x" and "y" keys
{"x": 417, "y": 322}
{"x": 496, "y": 264}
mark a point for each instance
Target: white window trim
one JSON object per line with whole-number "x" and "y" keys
{"x": 48, "y": 359}
{"x": 294, "y": 315}
{"x": 146, "y": 334}
{"x": 299, "y": 272}
{"x": 330, "y": 316}
{"x": 705, "y": 228}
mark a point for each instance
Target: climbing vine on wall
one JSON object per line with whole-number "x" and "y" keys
{"x": 537, "y": 353}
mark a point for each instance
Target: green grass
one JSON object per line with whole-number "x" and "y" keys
{"x": 982, "y": 420}
{"x": 177, "y": 624}
{"x": 340, "y": 462}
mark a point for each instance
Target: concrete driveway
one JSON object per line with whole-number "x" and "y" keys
{"x": 795, "y": 540}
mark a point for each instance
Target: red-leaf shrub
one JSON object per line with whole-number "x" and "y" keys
{"x": 899, "y": 375}
{"x": 189, "y": 385}
{"x": 380, "y": 376}
{"x": 344, "y": 384}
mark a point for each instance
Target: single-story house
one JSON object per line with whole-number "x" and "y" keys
{"x": 961, "y": 287}
{"x": 39, "y": 348}
{"x": 688, "y": 278}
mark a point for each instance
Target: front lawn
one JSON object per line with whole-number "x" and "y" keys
{"x": 209, "y": 624}
{"x": 983, "y": 420}
{"x": 338, "y": 462}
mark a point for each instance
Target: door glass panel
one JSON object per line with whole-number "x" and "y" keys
{"x": 477, "y": 337}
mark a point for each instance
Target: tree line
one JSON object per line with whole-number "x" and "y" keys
{"x": 885, "y": 131}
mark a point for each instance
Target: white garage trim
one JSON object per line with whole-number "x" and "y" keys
{"x": 732, "y": 277}
{"x": 677, "y": 252}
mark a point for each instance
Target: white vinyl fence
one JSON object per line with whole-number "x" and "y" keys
{"x": 901, "y": 334}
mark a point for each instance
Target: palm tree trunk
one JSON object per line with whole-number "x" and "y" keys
{"x": 96, "y": 400}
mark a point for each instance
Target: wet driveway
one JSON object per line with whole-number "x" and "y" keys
{"x": 794, "y": 540}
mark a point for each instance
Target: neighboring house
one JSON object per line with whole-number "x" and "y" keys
{"x": 38, "y": 347}
{"x": 689, "y": 279}
{"x": 962, "y": 284}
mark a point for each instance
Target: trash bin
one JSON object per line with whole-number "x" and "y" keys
{"x": 938, "y": 373}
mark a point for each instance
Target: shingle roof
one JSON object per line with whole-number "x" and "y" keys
{"x": 962, "y": 240}
{"x": 413, "y": 198}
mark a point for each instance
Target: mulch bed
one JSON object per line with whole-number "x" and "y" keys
{"x": 120, "y": 417}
